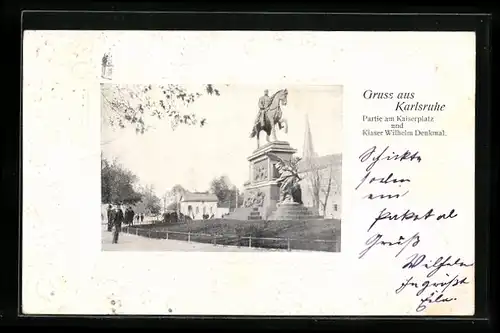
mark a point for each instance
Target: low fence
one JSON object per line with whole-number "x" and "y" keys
{"x": 239, "y": 241}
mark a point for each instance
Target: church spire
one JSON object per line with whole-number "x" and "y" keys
{"x": 308, "y": 149}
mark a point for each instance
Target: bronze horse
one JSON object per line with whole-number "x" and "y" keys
{"x": 273, "y": 117}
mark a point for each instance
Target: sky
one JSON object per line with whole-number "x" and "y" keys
{"x": 192, "y": 156}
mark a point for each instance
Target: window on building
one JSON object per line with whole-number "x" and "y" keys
{"x": 211, "y": 210}
{"x": 335, "y": 207}
{"x": 197, "y": 210}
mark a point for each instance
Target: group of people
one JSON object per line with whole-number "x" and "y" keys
{"x": 116, "y": 217}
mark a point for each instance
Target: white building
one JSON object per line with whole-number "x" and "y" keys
{"x": 197, "y": 204}
{"x": 223, "y": 208}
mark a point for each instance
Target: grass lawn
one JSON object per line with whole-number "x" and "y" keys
{"x": 303, "y": 235}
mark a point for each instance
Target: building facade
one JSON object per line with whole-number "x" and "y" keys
{"x": 321, "y": 182}
{"x": 197, "y": 204}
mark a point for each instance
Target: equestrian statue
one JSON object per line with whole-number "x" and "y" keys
{"x": 270, "y": 115}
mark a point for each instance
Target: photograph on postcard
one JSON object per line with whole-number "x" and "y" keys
{"x": 226, "y": 167}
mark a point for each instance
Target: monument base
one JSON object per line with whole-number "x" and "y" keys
{"x": 262, "y": 191}
{"x": 283, "y": 212}
{"x": 261, "y": 201}
{"x": 292, "y": 211}
{"x": 246, "y": 214}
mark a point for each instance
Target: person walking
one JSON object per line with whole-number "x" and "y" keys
{"x": 131, "y": 216}
{"x": 110, "y": 212}
{"x": 117, "y": 224}
{"x": 127, "y": 215}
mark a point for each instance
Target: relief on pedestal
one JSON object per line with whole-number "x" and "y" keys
{"x": 254, "y": 199}
{"x": 260, "y": 171}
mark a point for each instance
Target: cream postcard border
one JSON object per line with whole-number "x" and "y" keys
{"x": 64, "y": 270}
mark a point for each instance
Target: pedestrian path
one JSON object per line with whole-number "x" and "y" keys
{"x": 128, "y": 242}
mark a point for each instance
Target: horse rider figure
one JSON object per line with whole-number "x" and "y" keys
{"x": 264, "y": 103}
{"x": 270, "y": 115}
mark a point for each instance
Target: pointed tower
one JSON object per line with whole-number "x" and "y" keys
{"x": 308, "y": 149}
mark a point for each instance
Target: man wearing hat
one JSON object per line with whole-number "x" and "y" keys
{"x": 117, "y": 223}
{"x": 110, "y": 212}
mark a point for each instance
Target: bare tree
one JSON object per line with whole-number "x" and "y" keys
{"x": 326, "y": 189}
{"x": 322, "y": 183}
{"x": 313, "y": 178}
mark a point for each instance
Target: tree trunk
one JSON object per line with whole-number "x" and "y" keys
{"x": 327, "y": 192}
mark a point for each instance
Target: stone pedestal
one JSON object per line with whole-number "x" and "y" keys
{"x": 107, "y": 72}
{"x": 261, "y": 190}
{"x": 292, "y": 211}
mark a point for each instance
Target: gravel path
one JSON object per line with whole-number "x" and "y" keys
{"x": 128, "y": 242}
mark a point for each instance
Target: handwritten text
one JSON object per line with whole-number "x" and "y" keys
{"x": 409, "y": 215}
{"x": 401, "y": 243}
{"x": 373, "y": 157}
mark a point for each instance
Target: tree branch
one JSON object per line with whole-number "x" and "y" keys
{"x": 131, "y": 105}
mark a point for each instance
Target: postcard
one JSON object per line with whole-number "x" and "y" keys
{"x": 248, "y": 173}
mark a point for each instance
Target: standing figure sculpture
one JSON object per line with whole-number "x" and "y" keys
{"x": 290, "y": 191}
{"x": 270, "y": 115}
{"x": 107, "y": 66}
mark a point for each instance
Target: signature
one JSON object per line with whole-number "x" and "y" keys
{"x": 434, "y": 265}
{"x": 401, "y": 242}
{"x": 370, "y": 156}
{"x": 410, "y": 215}
{"x": 439, "y": 287}
{"x": 421, "y": 287}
